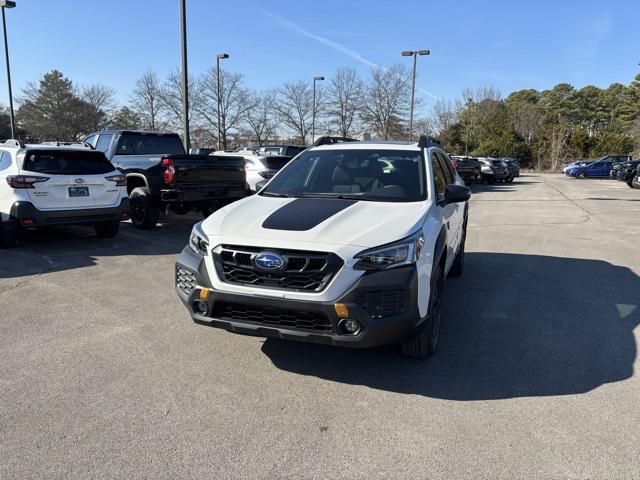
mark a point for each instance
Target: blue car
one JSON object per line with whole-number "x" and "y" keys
{"x": 599, "y": 168}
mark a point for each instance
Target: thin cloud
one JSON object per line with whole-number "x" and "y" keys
{"x": 331, "y": 44}
{"x": 325, "y": 41}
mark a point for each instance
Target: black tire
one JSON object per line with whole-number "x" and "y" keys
{"x": 581, "y": 175}
{"x": 491, "y": 181}
{"x": 510, "y": 179}
{"x": 635, "y": 183}
{"x": 144, "y": 214}
{"x": 424, "y": 343}
{"x": 457, "y": 268}
{"x": 107, "y": 229}
{"x": 8, "y": 238}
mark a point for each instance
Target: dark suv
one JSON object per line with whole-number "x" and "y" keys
{"x": 627, "y": 171}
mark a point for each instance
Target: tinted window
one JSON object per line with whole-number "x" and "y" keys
{"x": 438, "y": 175}
{"x": 447, "y": 168}
{"x": 67, "y": 162}
{"x": 149, "y": 144}
{"x": 103, "y": 142}
{"x": 293, "y": 151}
{"x": 374, "y": 175}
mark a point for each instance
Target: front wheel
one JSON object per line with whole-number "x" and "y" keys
{"x": 107, "y": 229}
{"x": 144, "y": 214}
{"x": 635, "y": 183}
{"x": 581, "y": 175}
{"x": 424, "y": 343}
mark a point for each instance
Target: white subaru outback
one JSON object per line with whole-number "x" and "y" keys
{"x": 46, "y": 185}
{"x": 349, "y": 244}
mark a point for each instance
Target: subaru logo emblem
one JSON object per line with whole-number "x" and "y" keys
{"x": 79, "y": 180}
{"x": 269, "y": 261}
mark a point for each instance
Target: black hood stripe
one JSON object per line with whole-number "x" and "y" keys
{"x": 305, "y": 213}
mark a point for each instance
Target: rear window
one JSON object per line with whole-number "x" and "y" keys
{"x": 148, "y": 144}
{"x": 62, "y": 162}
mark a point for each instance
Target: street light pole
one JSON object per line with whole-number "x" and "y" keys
{"x": 414, "y": 54}
{"x": 185, "y": 75}
{"x": 4, "y": 5}
{"x": 313, "y": 114}
{"x": 220, "y": 56}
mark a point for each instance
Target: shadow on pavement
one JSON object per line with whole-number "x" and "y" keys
{"x": 65, "y": 248}
{"x": 513, "y": 326}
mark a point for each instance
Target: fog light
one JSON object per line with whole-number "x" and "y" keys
{"x": 200, "y": 308}
{"x": 350, "y": 326}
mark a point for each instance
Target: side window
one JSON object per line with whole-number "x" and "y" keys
{"x": 91, "y": 140}
{"x": 104, "y": 141}
{"x": 5, "y": 160}
{"x": 438, "y": 175}
{"x": 447, "y": 168}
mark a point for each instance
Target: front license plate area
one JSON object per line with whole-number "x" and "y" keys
{"x": 78, "y": 191}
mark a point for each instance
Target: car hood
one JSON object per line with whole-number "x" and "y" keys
{"x": 290, "y": 222}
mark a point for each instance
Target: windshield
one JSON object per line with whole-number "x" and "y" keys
{"x": 373, "y": 175}
{"x": 149, "y": 144}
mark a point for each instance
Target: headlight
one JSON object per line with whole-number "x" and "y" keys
{"x": 198, "y": 241}
{"x": 404, "y": 252}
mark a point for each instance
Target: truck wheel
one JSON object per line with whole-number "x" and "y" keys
{"x": 107, "y": 229}
{"x": 635, "y": 183}
{"x": 144, "y": 214}
{"x": 8, "y": 238}
{"x": 424, "y": 343}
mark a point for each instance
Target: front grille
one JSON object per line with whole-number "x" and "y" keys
{"x": 383, "y": 303}
{"x": 271, "y": 316}
{"x": 303, "y": 270}
{"x": 185, "y": 280}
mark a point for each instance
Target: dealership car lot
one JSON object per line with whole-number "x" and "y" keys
{"x": 103, "y": 374}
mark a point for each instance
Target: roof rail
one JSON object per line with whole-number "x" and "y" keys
{"x": 328, "y": 140}
{"x": 427, "y": 141}
{"x": 12, "y": 142}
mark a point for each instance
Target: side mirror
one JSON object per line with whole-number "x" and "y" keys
{"x": 456, "y": 194}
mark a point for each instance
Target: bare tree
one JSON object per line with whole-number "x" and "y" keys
{"x": 260, "y": 122}
{"x": 386, "y": 99}
{"x": 344, "y": 100}
{"x": 294, "y": 105}
{"x": 171, "y": 100}
{"x": 527, "y": 120}
{"x": 445, "y": 113}
{"x": 146, "y": 101}
{"x": 479, "y": 94}
{"x": 558, "y": 145}
{"x": 234, "y": 102}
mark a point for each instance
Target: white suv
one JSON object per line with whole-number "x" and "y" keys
{"x": 46, "y": 185}
{"x": 348, "y": 245}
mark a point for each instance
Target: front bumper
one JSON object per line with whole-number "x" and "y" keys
{"x": 379, "y": 326}
{"x": 23, "y": 212}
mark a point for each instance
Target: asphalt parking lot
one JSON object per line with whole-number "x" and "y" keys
{"x": 103, "y": 374}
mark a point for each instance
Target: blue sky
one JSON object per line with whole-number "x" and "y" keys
{"x": 505, "y": 44}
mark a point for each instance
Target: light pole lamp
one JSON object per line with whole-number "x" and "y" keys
{"x": 414, "y": 54}
{"x": 313, "y": 113}
{"x": 4, "y": 4}
{"x": 220, "y": 56}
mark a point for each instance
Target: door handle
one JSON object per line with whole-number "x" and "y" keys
{"x": 448, "y": 226}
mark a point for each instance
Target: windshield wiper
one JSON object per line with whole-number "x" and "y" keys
{"x": 279, "y": 195}
{"x": 345, "y": 196}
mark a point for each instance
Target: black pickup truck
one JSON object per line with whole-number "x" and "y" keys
{"x": 162, "y": 177}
